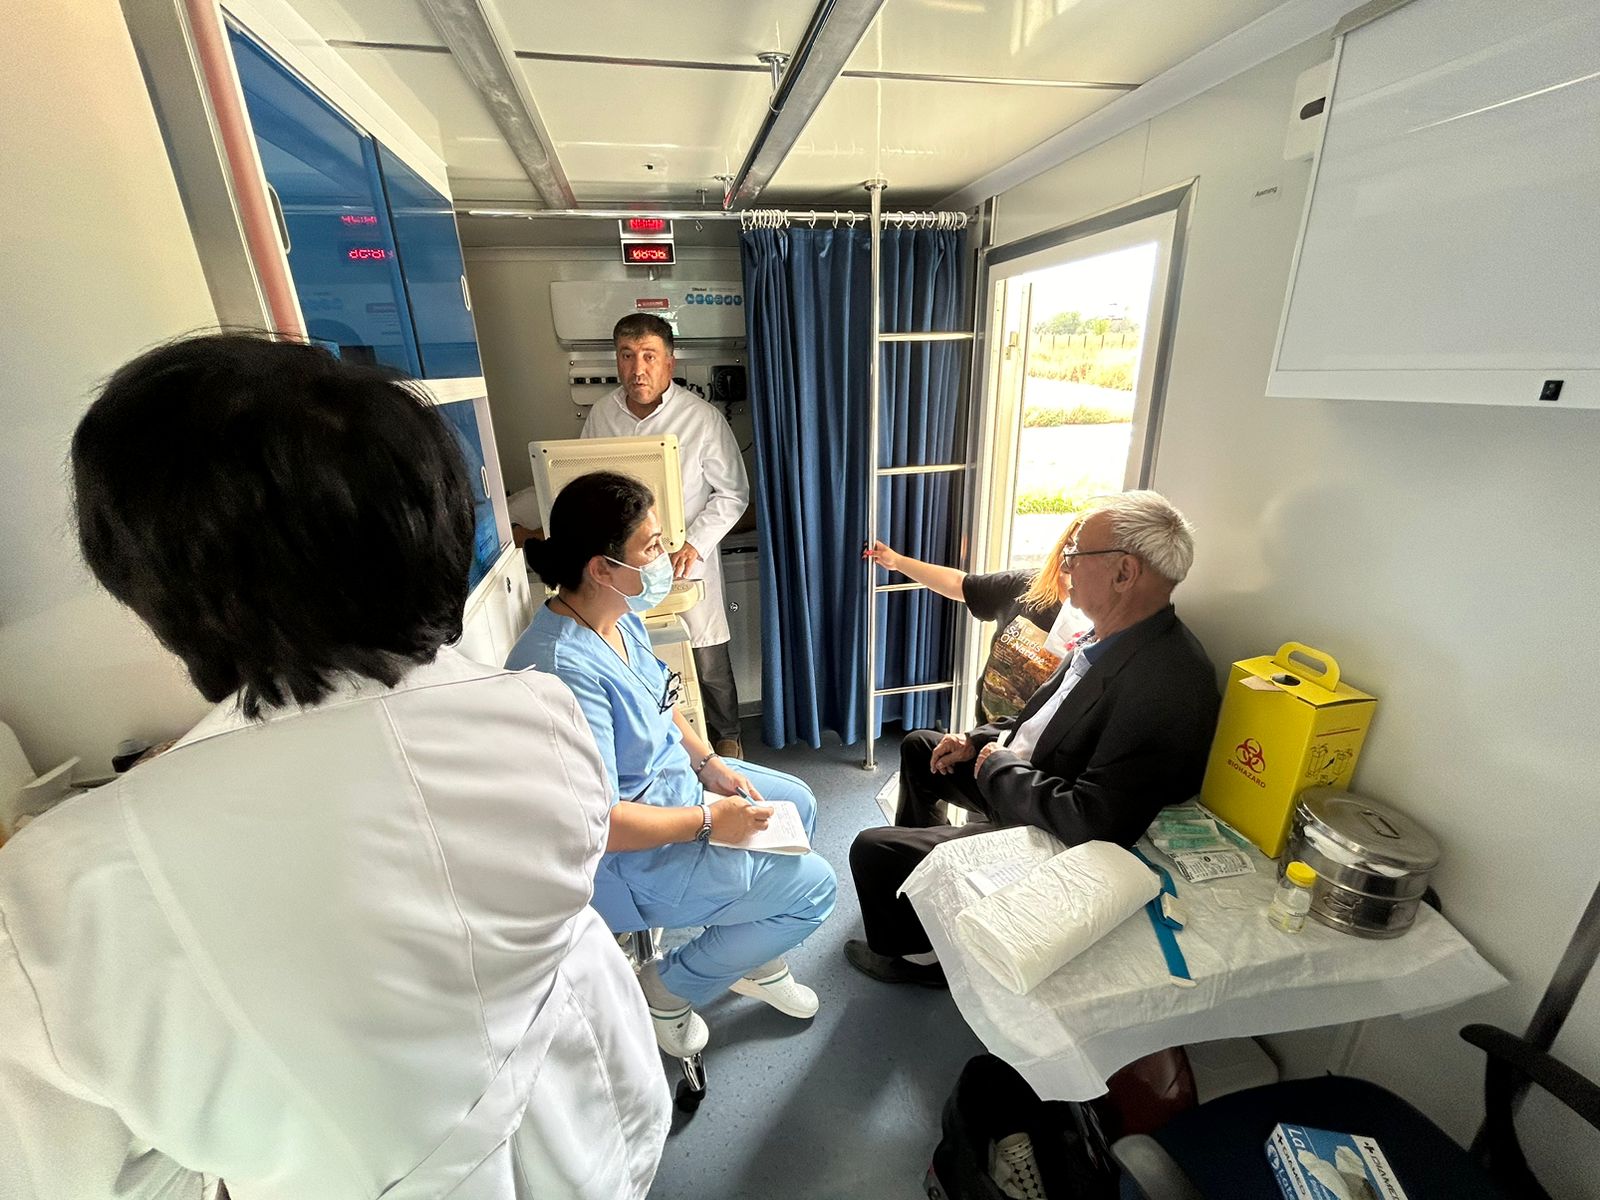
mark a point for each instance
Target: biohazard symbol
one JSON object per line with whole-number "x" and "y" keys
{"x": 1250, "y": 755}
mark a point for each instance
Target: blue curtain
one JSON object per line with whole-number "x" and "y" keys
{"x": 808, "y": 321}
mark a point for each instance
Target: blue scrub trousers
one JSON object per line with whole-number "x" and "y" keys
{"x": 787, "y": 897}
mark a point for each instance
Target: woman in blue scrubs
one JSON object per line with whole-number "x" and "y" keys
{"x": 672, "y": 794}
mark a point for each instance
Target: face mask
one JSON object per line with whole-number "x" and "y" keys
{"x": 656, "y": 575}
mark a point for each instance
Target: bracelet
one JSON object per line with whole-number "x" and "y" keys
{"x": 704, "y": 763}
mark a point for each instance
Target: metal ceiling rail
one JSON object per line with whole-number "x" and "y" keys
{"x": 481, "y": 48}
{"x": 755, "y": 68}
{"x": 835, "y": 29}
{"x": 763, "y": 218}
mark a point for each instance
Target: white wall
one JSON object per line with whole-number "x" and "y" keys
{"x": 523, "y": 364}
{"x": 97, "y": 264}
{"x": 1445, "y": 555}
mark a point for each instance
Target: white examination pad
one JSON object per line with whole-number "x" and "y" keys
{"x": 1114, "y": 1002}
{"x": 1028, "y": 930}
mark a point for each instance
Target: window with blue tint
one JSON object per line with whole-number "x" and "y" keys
{"x": 342, "y": 254}
{"x": 462, "y": 417}
{"x": 430, "y": 263}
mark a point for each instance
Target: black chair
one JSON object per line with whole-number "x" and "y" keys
{"x": 1217, "y": 1151}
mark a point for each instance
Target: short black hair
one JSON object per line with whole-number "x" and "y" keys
{"x": 594, "y": 514}
{"x": 277, "y": 517}
{"x": 642, "y": 324}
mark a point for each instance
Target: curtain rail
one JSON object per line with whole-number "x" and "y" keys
{"x": 777, "y": 218}
{"x": 750, "y": 218}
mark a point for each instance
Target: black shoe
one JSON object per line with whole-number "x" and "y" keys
{"x": 888, "y": 969}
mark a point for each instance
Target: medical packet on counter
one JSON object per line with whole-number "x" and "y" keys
{"x": 1201, "y": 847}
{"x": 1316, "y": 1164}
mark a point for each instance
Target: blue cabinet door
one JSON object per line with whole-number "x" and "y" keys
{"x": 462, "y": 417}
{"x": 324, "y": 173}
{"x": 430, "y": 263}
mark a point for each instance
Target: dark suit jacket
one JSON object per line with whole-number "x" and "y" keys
{"x": 1131, "y": 738}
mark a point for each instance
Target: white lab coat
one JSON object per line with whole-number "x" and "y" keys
{"x": 716, "y": 490}
{"x": 344, "y": 952}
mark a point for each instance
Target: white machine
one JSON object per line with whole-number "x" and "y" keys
{"x": 654, "y": 462}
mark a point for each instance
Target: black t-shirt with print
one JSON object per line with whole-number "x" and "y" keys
{"x": 1018, "y": 662}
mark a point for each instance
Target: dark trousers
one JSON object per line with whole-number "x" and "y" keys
{"x": 719, "y": 698}
{"x": 881, "y": 859}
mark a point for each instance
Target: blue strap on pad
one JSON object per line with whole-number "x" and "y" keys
{"x": 1166, "y": 918}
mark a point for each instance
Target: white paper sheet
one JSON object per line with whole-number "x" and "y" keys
{"x": 785, "y": 832}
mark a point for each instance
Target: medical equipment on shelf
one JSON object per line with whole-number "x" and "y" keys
{"x": 1198, "y": 845}
{"x": 1292, "y": 901}
{"x": 1372, "y": 862}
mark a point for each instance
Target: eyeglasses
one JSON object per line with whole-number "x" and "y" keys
{"x": 672, "y": 692}
{"x": 1068, "y": 553}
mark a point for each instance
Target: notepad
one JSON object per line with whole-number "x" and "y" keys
{"x": 785, "y": 832}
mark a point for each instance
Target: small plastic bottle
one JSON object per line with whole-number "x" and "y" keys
{"x": 1292, "y": 900}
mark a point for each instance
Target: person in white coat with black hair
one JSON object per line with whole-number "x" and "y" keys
{"x": 337, "y": 942}
{"x": 716, "y": 491}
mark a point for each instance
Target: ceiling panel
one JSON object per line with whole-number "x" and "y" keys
{"x": 1117, "y": 41}
{"x": 622, "y": 131}
{"x": 731, "y": 31}
{"x": 469, "y": 140}
{"x": 935, "y": 137}
{"x": 403, "y": 21}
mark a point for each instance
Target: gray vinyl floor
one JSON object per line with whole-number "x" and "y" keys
{"x": 845, "y": 1105}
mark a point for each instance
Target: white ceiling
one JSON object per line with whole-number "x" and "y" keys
{"x": 637, "y": 131}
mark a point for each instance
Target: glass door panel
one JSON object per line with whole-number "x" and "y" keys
{"x": 435, "y": 277}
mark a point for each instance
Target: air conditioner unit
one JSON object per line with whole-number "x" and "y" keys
{"x": 586, "y": 311}
{"x": 707, "y": 321}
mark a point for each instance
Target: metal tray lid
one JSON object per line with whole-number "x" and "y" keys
{"x": 1366, "y": 830}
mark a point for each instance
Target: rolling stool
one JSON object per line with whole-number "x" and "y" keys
{"x": 643, "y": 947}
{"x": 614, "y": 902}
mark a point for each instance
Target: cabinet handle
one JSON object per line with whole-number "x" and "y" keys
{"x": 277, "y": 213}
{"x": 466, "y": 296}
{"x": 483, "y": 474}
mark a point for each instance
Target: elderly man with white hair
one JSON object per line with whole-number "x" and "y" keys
{"x": 1118, "y": 732}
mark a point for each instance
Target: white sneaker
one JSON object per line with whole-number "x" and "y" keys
{"x": 1015, "y": 1169}
{"x": 679, "y": 1032}
{"x": 781, "y": 990}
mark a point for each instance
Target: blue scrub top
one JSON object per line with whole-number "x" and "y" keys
{"x": 640, "y": 745}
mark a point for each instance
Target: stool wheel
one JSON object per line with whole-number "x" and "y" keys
{"x": 688, "y": 1098}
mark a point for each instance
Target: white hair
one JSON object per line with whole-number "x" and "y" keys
{"x": 1148, "y": 525}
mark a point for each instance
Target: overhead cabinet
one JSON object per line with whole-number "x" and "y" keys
{"x": 371, "y": 246}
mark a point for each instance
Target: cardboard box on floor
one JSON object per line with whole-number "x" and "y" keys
{"x": 1287, "y": 723}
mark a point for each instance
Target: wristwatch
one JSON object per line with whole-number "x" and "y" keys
{"x": 705, "y": 824}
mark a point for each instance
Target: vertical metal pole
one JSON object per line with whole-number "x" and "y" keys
{"x": 869, "y": 668}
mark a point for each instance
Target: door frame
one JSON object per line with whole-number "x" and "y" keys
{"x": 989, "y": 428}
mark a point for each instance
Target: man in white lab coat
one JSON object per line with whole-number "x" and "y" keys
{"x": 716, "y": 491}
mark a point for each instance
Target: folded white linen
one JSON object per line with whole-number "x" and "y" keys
{"x": 1026, "y": 931}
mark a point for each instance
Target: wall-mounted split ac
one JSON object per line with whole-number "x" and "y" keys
{"x": 707, "y": 320}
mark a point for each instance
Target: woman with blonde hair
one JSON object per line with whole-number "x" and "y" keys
{"x": 1034, "y": 625}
